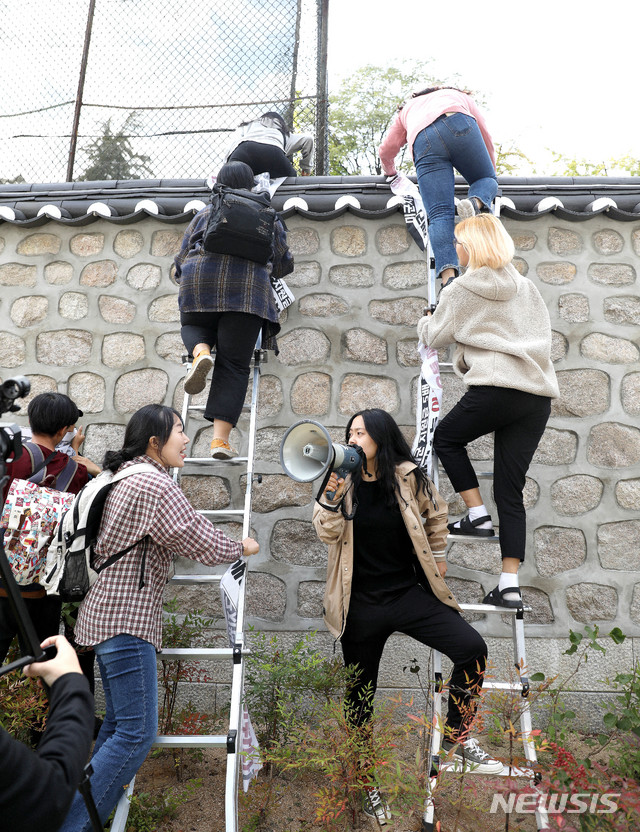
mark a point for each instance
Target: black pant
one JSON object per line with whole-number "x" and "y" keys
{"x": 518, "y": 420}
{"x": 45, "y": 617}
{"x": 263, "y": 157}
{"x": 419, "y": 614}
{"x": 234, "y": 336}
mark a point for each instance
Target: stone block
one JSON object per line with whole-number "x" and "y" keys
{"x": 311, "y": 394}
{"x": 170, "y": 347}
{"x": 523, "y": 240}
{"x": 592, "y": 602}
{"x": 630, "y": 393}
{"x": 29, "y": 310}
{"x": 266, "y": 596}
{"x": 530, "y": 493}
{"x": 305, "y": 274}
{"x": 39, "y": 384}
{"x": 564, "y": 241}
{"x": 348, "y": 241}
{"x": 39, "y": 244}
{"x": 356, "y": 276}
{"x": 279, "y": 491}
{"x": 559, "y": 346}
{"x": 481, "y": 556}
{"x": 619, "y": 545}
{"x": 88, "y": 391}
{"x": 574, "y": 308}
{"x": 268, "y": 444}
{"x": 119, "y": 349}
{"x": 627, "y": 493}
{"x": 144, "y": 276}
{"x": 392, "y": 239}
{"x": 607, "y": 241}
{"x": 521, "y": 265}
{"x": 166, "y": 243}
{"x": 556, "y": 274}
{"x": 576, "y": 494}
{"x": 557, "y": 447}
{"x": 310, "y": 599}
{"x": 358, "y": 391}
{"x": 296, "y": 542}
{"x": 18, "y": 274}
{"x": 58, "y": 273}
{"x": 612, "y": 445}
{"x": 102, "y": 437}
{"x": 634, "y": 610}
{"x": 135, "y": 389}
{"x": 322, "y": 306}
{"x": 402, "y": 311}
{"x": 270, "y": 396}
{"x": 558, "y": 549}
{"x": 206, "y": 492}
{"x": 64, "y": 347}
{"x": 116, "y": 310}
{"x": 611, "y": 274}
{"x": 622, "y": 310}
{"x": 582, "y": 393}
{"x": 304, "y": 346}
{"x": 128, "y": 243}
{"x": 303, "y": 241}
{"x": 73, "y": 305}
{"x": 407, "y": 354}
{"x": 405, "y": 276}
{"x": 541, "y": 611}
{"x": 467, "y": 592}
{"x": 609, "y": 350}
{"x": 164, "y": 309}
{"x": 87, "y": 244}
{"x": 360, "y": 345}
{"x": 99, "y": 274}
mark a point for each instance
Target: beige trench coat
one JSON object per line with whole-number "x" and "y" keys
{"x": 427, "y": 528}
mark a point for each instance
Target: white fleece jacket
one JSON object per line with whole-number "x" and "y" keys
{"x": 500, "y": 325}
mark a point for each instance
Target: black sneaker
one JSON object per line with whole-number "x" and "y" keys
{"x": 474, "y": 758}
{"x": 375, "y": 806}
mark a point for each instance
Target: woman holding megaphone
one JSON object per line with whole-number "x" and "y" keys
{"x": 386, "y": 527}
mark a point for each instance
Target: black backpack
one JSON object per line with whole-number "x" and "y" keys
{"x": 241, "y": 223}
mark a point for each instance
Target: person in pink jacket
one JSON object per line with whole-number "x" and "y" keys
{"x": 444, "y": 130}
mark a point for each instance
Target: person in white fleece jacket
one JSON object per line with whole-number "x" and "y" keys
{"x": 500, "y": 325}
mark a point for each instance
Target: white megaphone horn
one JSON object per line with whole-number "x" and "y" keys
{"x": 307, "y": 452}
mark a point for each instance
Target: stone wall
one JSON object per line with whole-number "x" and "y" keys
{"x": 93, "y": 312}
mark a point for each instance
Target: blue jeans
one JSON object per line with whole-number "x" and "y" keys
{"x": 451, "y": 142}
{"x": 130, "y": 682}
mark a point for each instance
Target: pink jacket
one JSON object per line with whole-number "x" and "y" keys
{"x": 419, "y": 113}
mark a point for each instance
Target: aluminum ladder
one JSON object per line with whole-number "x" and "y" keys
{"x": 232, "y": 740}
{"x": 520, "y": 686}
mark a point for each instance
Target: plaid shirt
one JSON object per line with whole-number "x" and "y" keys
{"x": 223, "y": 283}
{"x": 145, "y": 504}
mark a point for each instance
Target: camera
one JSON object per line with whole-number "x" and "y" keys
{"x": 10, "y": 435}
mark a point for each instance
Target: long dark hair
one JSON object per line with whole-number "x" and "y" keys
{"x": 151, "y": 420}
{"x": 428, "y": 90}
{"x": 393, "y": 449}
{"x": 236, "y": 175}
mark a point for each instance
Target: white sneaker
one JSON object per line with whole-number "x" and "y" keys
{"x": 375, "y": 806}
{"x": 475, "y": 759}
{"x": 467, "y": 208}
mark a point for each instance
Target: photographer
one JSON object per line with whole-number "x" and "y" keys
{"x": 38, "y": 786}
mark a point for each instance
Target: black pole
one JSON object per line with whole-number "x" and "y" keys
{"x": 80, "y": 93}
{"x": 322, "y": 113}
{"x": 294, "y": 70}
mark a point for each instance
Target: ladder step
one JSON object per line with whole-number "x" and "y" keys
{"x": 472, "y": 538}
{"x": 492, "y": 608}
{"x": 208, "y": 460}
{"x": 507, "y": 771}
{"x": 192, "y": 741}
{"x": 200, "y": 408}
{"x": 217, "y": 512}
{"x": 515, "y": 687}
{"x": 196, "y": 653}
{"x": 195, "y": 579}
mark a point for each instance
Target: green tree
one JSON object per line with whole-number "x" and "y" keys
{"x": 566, "y": 166}
{"x": 361, "y": 112}
{"x": 111, "y": 155}
{"x": 509, "y": 157}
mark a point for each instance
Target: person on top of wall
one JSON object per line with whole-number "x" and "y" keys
{"x": 502, "y": 332}
{"x": 267, "y": 144}
{"x": 51, "y": 416}
{"x": 386, "y": 574}
{"x": 444, "y": 130}
{"x": 225, "y": 301}
{"x": 148, "y": 516}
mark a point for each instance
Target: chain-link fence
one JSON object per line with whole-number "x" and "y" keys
{"x": 123, "y": 89}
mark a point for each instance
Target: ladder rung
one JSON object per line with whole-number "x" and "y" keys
{"x": 196, "y": 653}
{"x": 492, "y": 608}
{"x": 200, "y": 408}
{"x": 507, "y": 771}
{"x": 515, "y": 687}
{"x": 208, "y": 460}
{"x": 192, "y": 741}
{"x": 195, "y": 579}
{"x": 472, "y": 538}
{"x": 216, "y": 512}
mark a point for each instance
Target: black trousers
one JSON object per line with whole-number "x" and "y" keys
{"x": 518, "y": 421}
{"x": 234, "y": 335}
{"x": 419, "y": 614}
{"x": 263, "y": 157}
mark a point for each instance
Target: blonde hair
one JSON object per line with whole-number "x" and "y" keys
{"x": 486, "y": 241}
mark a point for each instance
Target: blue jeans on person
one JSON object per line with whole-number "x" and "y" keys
{"x": 450, "y": 142}
{"x": 130, "y": 683}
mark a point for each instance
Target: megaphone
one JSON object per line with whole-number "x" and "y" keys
{"x": 307, "y": 452}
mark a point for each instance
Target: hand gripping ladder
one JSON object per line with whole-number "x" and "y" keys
{"x": 237, "y": 651}
{"x": 521, "y": 686}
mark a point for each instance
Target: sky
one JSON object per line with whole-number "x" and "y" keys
{"x": 558, "y": 74}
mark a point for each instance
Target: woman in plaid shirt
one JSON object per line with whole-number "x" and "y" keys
{"x": 121, "y": 617}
